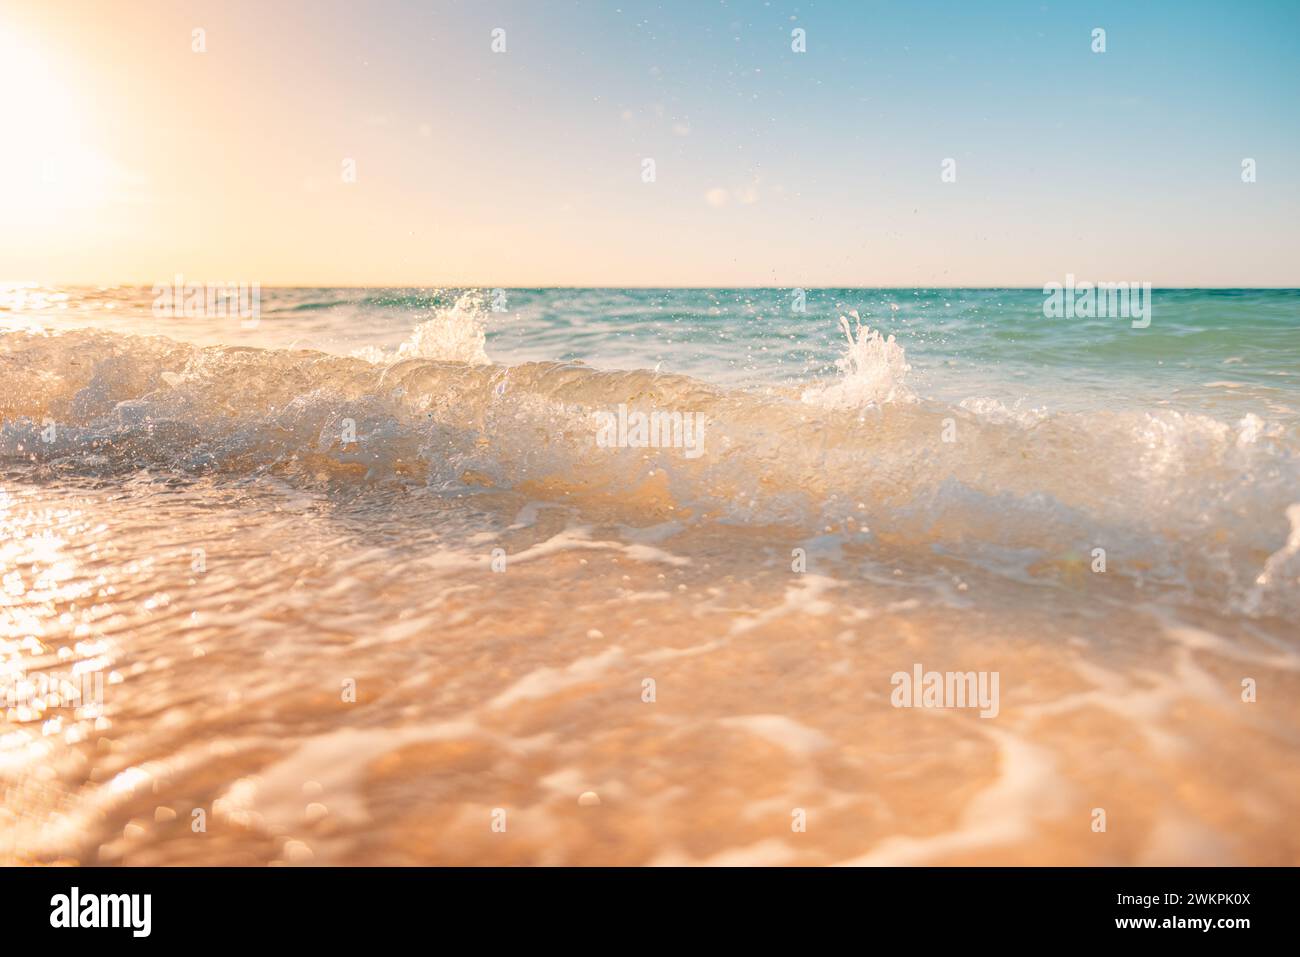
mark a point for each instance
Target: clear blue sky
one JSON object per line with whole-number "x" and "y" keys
{"x": 772, "y": 167}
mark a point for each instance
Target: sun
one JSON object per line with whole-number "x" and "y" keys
{"x": 47, "y": 162}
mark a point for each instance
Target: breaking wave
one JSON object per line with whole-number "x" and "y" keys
{"x": 1174, "y": 499}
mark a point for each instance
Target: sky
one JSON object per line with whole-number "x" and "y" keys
{"x": 128, "y": 156}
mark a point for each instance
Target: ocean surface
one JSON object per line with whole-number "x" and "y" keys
{"x": 366, "y": 580}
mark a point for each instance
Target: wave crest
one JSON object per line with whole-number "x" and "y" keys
{"x": 1176, "y": 499}
{"x": 455, "y": 334}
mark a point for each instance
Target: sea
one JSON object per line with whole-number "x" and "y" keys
{"x": 648, "y": 576}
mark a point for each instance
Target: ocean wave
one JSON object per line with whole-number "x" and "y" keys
{"x": 327, "y": 299}
{"x": 1173, "y": 498}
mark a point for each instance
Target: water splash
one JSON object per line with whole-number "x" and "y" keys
{"x": 458, "y": 334}
{"x": 873, "y": 370}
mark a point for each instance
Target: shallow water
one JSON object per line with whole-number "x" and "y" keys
{"x": 404, "y": 492}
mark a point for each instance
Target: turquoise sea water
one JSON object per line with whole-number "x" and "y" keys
{"x": 1221, "y": 351}
{"x": 958, "y": 342}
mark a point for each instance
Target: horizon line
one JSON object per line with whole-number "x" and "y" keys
{"x": 9, "y": 283}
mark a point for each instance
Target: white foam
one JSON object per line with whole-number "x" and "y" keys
{"x": 785, "y": 733}
{"x": 1003, "y": 813}
{"x": 548, "y": 681}
{"x": 873, "y": 372}
{"x": 458, "y": 334}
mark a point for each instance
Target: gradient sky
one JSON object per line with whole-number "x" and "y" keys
{"x": 126, "y": 157}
